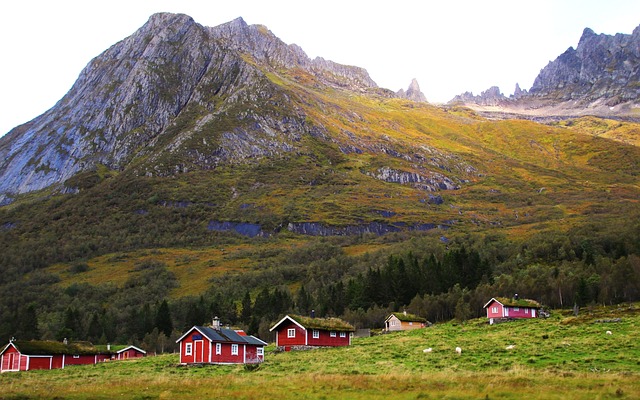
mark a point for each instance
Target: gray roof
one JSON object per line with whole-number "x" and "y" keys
{"x": 225, "y": 335}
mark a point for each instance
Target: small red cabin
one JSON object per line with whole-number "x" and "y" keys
{"x": 36, "y": 354}
{"x": 216, "y": 345}
{"x": 503, "y": 307}
{"x": 130, "y": 352}
{"x": 294, "y": 331}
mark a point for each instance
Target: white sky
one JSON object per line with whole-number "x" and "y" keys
{"x": 449, "y": 46}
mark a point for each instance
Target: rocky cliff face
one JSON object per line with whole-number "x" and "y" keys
{"x": 174, "y": 94}
{"x": 602, "y": 68}
{"x": 600, "y": 77}
{"x": 412, "y": 93}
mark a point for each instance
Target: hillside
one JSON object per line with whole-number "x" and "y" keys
{"x": 222, "y": 170}
{"x": 560, "y": 357}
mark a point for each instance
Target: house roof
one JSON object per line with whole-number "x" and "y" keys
{"x": 224, "y": 335}
{"x": 327, "y": 324}
{"x": 404, "y": 317}
{"x": 46, "y": 347}
{"x": 131, "y": 347}
{"x": 505, "y": 301}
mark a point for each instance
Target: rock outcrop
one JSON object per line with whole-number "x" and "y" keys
{"x": 412, "y": 93}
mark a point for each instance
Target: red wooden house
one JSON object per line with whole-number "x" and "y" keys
{"x": 503, "y": 307}
{"x": 129, "y": 352}
{"x": 216, "y": 345}
{"x": 37, "y": 354}
{"x": 295, "y": 331}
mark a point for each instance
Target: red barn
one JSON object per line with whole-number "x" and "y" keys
{"x": 35, "y": 354}
{"x": 503, "y": 307}
{"x": 216, "y": 345}
{"x": 295, "y": 331}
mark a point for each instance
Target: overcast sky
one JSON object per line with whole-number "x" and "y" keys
{"x": 449, "y": 46}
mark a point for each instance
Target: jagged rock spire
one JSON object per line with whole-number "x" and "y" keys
{"x": 413, "y": 92}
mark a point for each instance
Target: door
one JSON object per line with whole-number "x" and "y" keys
{"x": 198, "y": 355}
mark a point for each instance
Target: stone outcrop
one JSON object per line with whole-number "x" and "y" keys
{"x": 412, "y": 93}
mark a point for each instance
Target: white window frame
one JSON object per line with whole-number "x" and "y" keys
{"x": 234, "y": 349}
{"x": 494, "y": 309}
{"x": 526, "y": 311}
{"x": 76, "y": 356}
{"x": 332, "y": 334}
{"x": 188, "y": 349}
{"x": 343, "y": 334}
{"x": 260, "y": 351}
{"x": 316, "y": 334}
{"x": 291, "y": 332}
{"x": 516, "y": 308}
{"x": 218, "y": 348}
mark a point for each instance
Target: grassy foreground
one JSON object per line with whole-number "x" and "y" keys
{"x": 563, "y": 357}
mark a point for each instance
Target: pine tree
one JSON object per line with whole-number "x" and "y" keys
{"x": 163, "y": 319}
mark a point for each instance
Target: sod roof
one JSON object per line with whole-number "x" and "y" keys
{"x": 328, "y": 324}
{"x": 408, "y": 317}
{"x": 511, "y": 302}
{"x": 46, "y": 347}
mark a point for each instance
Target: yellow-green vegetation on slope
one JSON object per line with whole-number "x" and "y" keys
{"x": 557, "y": 358}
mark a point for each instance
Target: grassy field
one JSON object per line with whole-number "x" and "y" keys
{"x": 563, "y": 357}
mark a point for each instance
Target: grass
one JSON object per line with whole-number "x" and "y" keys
{"x": 557, "y": 358}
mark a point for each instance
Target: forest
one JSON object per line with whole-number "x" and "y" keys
{"x": 423, "y": 273}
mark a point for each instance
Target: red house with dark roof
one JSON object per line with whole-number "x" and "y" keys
{"x": 217, "y": 345}
{"x": 503, "y": 307}
{"x": 295, "y": 331}
{"x": 37, "y": 354}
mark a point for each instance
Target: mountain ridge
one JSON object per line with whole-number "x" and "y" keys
{"x": 601, "y": 77}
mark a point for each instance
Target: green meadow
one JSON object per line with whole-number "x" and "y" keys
{"x": 562, "y": 357}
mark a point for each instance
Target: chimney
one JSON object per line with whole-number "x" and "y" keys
{"x": 313, "y": 313}
{"x": 108, "y": 347}
{"x": 404, "y": 312}
{"x": 65, "y": 341}
{"x": 216, "y": 323}
{"x": 515, "y": 296}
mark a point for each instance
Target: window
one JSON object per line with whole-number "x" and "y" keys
{"x": 316, "y": 334}
{"x": 526, "y": 311}
{"x": 494, "y": 310}
{"x": 410, "y": 323}
{"x": 393, "y": 322}
{"x": 76, "y": 356}
{"x": 187, "y": 349}
{"x": 234, "y": 349}
{"x": 260, "y": 351}
{"x": 218, "y": 348}
{"x": 332, "y": 334}
{"x": 291, "y": 332}
{"x": 343, "y": 334}
{"x": 516, "y": 308}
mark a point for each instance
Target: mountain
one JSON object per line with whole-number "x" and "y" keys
{"x": 137, "y": 99}
{"x": 599, "y": 77}
{"x": 214, "y": 167}
{"x": 412, "y": 93}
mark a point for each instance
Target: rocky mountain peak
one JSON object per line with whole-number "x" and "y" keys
{"x": 412, "y": 93}
{"x": 599, "y": 77}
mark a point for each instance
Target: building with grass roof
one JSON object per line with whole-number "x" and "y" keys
{"x": 499, "y": 308}
{"x": 23, "y": 355}
{"x": 297, "y": 332}
{"x": 402, "y": 321}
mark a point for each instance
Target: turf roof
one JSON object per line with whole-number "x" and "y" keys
{"x": 329, "y": 324}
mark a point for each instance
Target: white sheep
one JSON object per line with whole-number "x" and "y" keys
{"x": 609, "y": 333}
{"x": 458, "y": 350}
{"x": 429, "y": 350}
{"x": 511, "y": 347}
